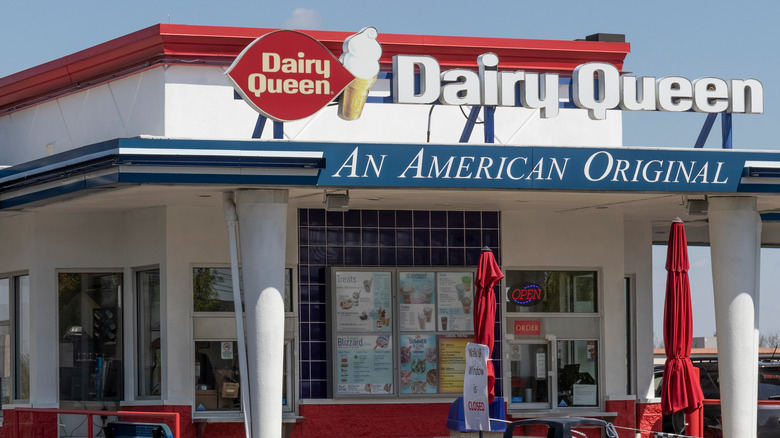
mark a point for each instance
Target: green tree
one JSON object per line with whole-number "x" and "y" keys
{"x": 204, "y": 295}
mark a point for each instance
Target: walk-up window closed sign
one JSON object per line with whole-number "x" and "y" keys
{"x": 475, "y": 393}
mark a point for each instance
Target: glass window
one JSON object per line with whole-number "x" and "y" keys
{"x": 90, "y": 334}
{"x": 15, "y": 325}
{"x": 22, "y": 336}
{"x": 5, "y": 338}
{"x": 287, "y": 402}
{"x": 148, "y": 348}
{"x": 578, "y": 373}
{"x": 528, "y": 365}
{"x": 217, "y": 376}
{"x": 213, "y": 290}
{"x": 551, "y": 291}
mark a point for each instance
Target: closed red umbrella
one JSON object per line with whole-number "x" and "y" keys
{"x": 680, "y": 390}
{"x": 488, "y": 275}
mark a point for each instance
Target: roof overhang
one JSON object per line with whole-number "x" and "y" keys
{"x": 111, "y": 164}
{"x": 212, "y": 45}
{"x": 122, "y": 162}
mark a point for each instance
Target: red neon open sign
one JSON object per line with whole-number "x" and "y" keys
{"x": 526, "y": 295}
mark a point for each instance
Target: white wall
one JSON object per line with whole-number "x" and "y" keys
{"x": 84, "y": 242}
{"x": 572, "y": 240}
{"x": 127, "y": 107}
{"x": 199, "y": 104}
{"x": 639, "y": 263}
{"x": 143, "y": 247}
{"x": 195, "y": 236}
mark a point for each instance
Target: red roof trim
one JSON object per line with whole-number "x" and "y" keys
{"x": 171, "y": 43}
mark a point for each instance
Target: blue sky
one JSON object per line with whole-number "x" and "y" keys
{"x": 692, "y": 38}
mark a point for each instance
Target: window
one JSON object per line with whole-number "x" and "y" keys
{"x": 217, "y": 376}
{"x": 551, "y": 291}
{"x": 22, "y": 337}
{"x": 213, "y": 290}
{"x": 528, "y": 368}
{"x": 217, "y": 373}
{"x": 5, "y": 337}
{"x": 15, "y": 324}
{"x": 148, "y": 331}
{"x": 90, "y": 335}
{"x": 577, "y": 373}
{"x": 550, "y": 313}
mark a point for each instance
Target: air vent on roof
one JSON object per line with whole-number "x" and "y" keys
{"x": 607, "y": 37}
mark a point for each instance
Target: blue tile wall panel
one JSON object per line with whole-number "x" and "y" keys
{"x": 384, "y": 238}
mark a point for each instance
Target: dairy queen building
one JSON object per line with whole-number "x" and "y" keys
{"x": 339, "y": 187}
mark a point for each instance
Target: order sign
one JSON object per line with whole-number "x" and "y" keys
{"x": 287, "y": 75}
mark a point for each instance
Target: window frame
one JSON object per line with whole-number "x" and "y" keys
{"x": 14, "y": 319}
{"x": 136, "y": 324}
{"x": 291, "y": 344}
{"x": 120, "y": 337}
{"x": 553, "y": 337}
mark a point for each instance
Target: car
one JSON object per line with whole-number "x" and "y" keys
{"x": 768, "y": 397}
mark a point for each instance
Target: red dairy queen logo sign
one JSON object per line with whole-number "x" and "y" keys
{"x": 287, "y": 75}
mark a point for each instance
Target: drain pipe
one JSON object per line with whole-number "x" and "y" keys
{"x": 230, "y": 217}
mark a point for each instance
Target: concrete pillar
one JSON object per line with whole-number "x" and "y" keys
{"x": 262, "y": 222}
{"x": 735, "y": 244}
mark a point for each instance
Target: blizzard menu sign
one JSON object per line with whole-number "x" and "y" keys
{"x": 609, "y": 90}
{"x": 372, "y": 165}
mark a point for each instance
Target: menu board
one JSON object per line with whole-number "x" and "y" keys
{"x": 364, "y": 301}
{"x": 364, "y": 365}
{"x": 455, "y": 291}
{"x": 419, "y": 364}
{"x": 452, "y": 363}
{"x": 417, "y": 301}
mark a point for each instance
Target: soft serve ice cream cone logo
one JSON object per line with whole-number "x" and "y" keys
{"x": 287, "y": 75}
{"x": 361, "y": 57}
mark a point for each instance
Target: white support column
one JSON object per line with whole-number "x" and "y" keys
{"x": 262, "y": 222}
{"x": 735, "y": 244}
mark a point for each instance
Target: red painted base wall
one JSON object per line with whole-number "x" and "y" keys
{"x": 649, "y": 415}
{"x": 385, "y": 420}
{"x": 341, "y": 420}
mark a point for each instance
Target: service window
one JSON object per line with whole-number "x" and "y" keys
{"x": 529, "y": 365}
{"x": 552, "y": 327}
